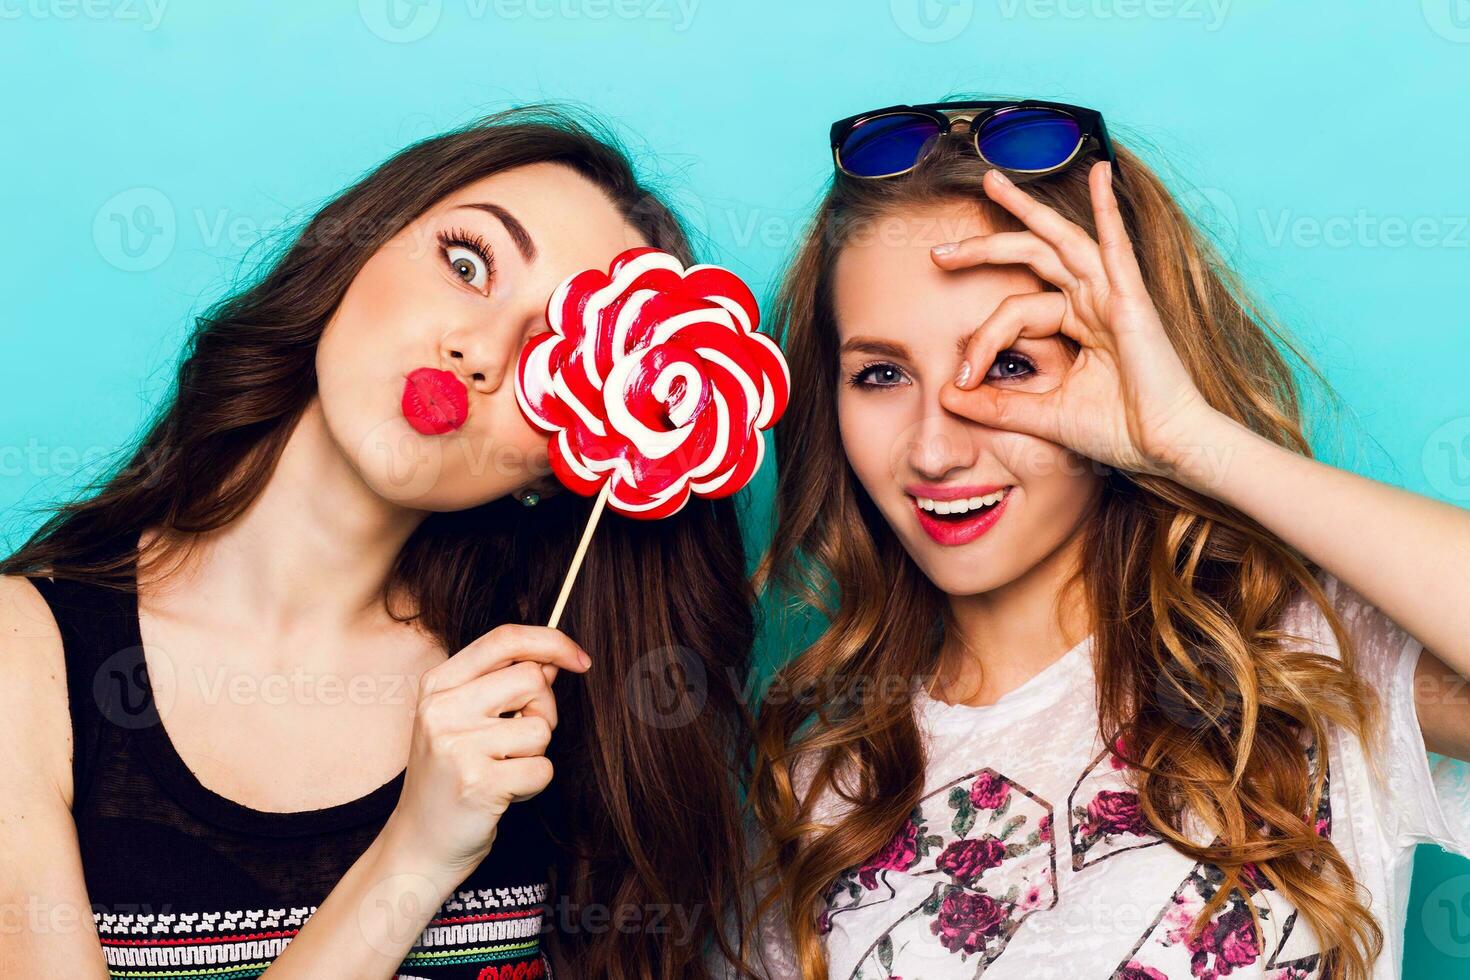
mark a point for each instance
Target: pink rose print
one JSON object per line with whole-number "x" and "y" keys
{"x": 1044, "y": 828}
{"x": 653, "y": 377}
{"x": 1136, "y": 971}
{"x": 1225, "y": 943}
{"x": 966, "y": 860}
{"x": 1114, "y": 812}
{"x": 1119, "y": 753}
{"x": 966, "y": 920}
{"x": 898, "y": 854}
{"x": 989, "y": 791}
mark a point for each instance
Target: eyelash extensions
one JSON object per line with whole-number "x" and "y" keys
{"x": 475, "y": 243}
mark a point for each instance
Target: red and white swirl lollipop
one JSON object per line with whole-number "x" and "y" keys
{"x": 653, "y": 383}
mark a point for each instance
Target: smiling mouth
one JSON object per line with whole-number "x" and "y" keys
{"x": 956, "y": 522}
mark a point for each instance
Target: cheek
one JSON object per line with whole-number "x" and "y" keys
{"x": 864, "y": 429}
{"x": 1057, "y": 483}
{"x": 507, "y": 453}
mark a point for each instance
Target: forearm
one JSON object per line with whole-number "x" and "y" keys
{"x": 370, "y": 921}
{"x": 1405, "y": 553}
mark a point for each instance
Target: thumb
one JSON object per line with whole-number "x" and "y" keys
{"x": 1027, "y": 412}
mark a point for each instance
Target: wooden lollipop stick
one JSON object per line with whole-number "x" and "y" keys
{"x": 566, "y": 585}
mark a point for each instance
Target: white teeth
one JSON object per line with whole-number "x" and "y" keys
{"x": 959, "y": 506}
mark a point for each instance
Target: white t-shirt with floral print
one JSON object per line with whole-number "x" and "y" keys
{"x": 1027, "y": 857}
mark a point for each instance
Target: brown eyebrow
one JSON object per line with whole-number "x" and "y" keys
{"x": 514, "y": 228}
{"x": 872, "y": 345}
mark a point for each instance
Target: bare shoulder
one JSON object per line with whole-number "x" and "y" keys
{"x": 34, "y": 721}
{"x": 40, "y": 862}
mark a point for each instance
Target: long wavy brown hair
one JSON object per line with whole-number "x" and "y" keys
{"x": 664, "y": 608}
{"x": 1212, "y": 699}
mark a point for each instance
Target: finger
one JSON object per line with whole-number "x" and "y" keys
{"x": 1020, "y": 315}
{"x": 516, "y": 687}
{"x": 1120, "y": 262}
{"x": 1029, "y": 412}
{"x": 510, "y": 738}
{"x": 521, "y": 779}
{"x": 1006, "y": 248}
{"x": 506, "y": 645}
{"x": 1078, "y": 252}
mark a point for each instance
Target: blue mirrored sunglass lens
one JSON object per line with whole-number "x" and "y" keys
{"x": 886, "y": 145}
{"x": 1029, "y": 139}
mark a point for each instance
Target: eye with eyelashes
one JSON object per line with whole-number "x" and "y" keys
{"x": 1007, "y": 361}
{"x": 1008, "y": 365}
{"x": 869, "y": 375}
{"x": 469, "y": 257}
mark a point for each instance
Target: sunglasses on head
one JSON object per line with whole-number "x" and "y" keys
{"x": 1023, "y": 137}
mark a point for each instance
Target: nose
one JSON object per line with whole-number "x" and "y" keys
{"x": 483, "y": 354}
{"x": 940, "y": 444}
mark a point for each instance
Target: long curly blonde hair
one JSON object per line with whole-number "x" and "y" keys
{"x": 1184, "y": 593}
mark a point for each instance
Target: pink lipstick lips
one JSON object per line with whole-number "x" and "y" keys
{"x": 958, "y": 515}
{"x": 434, "y": 401}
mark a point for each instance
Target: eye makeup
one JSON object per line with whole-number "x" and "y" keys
{"x": 1007, "y": 357}
{"x": 858, "y": 378}
{"x": 463, "y": 238}
{"x": 867, "y": 377}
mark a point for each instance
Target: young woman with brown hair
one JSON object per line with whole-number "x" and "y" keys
{"x": 1117, "y": 681}
{"x": 332, "y": 506}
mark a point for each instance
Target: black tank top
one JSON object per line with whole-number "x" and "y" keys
{"x": 184, "y": 882}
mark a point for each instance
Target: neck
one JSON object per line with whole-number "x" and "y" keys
{"x": 312, "y": 552}
{"x": 999, "y": 639}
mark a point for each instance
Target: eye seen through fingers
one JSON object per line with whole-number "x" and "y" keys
{"x": 1009, "y": 365}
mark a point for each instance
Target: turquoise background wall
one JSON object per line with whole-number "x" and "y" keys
{"x": 149, "y": 144}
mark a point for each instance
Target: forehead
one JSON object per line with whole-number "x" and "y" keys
{"x": 886, "y": 285}
{"x": 568, "y": 217}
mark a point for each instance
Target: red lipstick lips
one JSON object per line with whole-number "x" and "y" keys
{"x": 434, "y": 401}
{"x": 942, "y": 520}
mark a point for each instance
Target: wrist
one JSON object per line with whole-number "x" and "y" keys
{"x": 1205, "y": 459}
{"x": 402, "y": 850}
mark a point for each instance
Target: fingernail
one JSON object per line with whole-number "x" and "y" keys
{"x": 585, "y": 660}
{"x": 963, "y": 376}
{"x": 945, "y": 249}
{"x": 1108, "y": 169}
{"x": 1000, "y": 175}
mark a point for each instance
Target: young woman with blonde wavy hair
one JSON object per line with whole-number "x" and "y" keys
{"x": 1117, "y": 680}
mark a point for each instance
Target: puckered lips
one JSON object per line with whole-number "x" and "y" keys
{"x": 434, "y": 401}
{"x": 955, "y": 515}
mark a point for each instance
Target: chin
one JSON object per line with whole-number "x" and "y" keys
{"x": 957, "y": 578}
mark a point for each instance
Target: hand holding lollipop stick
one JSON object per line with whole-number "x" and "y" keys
{"x": 654, "y": 385}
